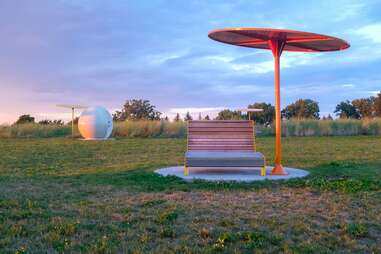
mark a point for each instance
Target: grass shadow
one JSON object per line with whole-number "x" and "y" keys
{"x": 335, "y": 176}
{"x": 343, "y": 176}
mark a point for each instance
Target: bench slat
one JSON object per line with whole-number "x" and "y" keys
{"x": 218, "y": 121}
{"x": 221, "y": 135}
{"x": 220, "y": 129}
{"x": 221, "y": 143}
{"x": 222, "y": 125}
{"x": 222, "y": 148}
{"x": 219, "y": 140}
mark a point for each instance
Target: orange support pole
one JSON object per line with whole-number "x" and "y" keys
{"x": 276, "y": 39}
{"x": 277, "y": 48}
{"x": 72, "y": 122}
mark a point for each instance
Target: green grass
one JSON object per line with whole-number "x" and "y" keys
{"x": 70, "y": 196}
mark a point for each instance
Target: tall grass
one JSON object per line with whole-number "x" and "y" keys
{"x": 34, "y": 130}
{"x": 339, "y": 127}
{"x": 147, "y": 129}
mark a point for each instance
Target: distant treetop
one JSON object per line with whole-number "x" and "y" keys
{"x": 25, "y": 119}
{"x": 137, "y": 110}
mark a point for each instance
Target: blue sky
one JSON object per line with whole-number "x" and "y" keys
{"x": 103, "y": 52}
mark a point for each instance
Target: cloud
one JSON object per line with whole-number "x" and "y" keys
{"x": 371, "y": 32}
{"x": 349, "y": 10}
{"x": 93, "y": 52}
{"x": 288, "y": 60}
{"x": 195, "y": 110}
{"x": 229, "y": 89}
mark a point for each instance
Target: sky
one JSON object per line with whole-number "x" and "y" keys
{"x": 96, "y": 52}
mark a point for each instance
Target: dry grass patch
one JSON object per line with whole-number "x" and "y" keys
{"x": 288, "y": 220}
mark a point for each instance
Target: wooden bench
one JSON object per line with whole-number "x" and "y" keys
{"x": 221, "y": 144}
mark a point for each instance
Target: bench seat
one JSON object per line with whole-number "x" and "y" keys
{"x": 224, "y": 159}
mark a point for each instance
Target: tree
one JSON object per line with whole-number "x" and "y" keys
{"x": 207, "y": 118}
{"x": 25, "y": 119}
{"x": 345, "y": 109}
{"x": 188, "y": 117}
{"x": 329, "y": 117}
{"x": 47, "y": 122}
{"x": 177, "y": 117}
{"x": 137, "y": 110}
{"x": 228, "y": 114}
{"x": 266, "y": 116}
{"x": 166, "y": 118}
{"x": 75, "y": 121}
{"x": 377, "y": 105}
{"x": 302, "y": 108}
{"x": 364, "y": 106}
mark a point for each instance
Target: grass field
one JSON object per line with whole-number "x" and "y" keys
{"x": 70, "y": 196}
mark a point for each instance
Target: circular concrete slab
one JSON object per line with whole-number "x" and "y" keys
{"x": 238, "y": 175}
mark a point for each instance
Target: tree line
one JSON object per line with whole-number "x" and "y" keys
{"x": 309, "y": 109}
{"x": 138, "y": 109}
{"x": 302, "y": 108}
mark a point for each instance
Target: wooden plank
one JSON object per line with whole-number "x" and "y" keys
{"x": 221, "y": 146}
{"x": 242, "y": 125}
{"x": 221, "y": 136}
{"x": 229, "y": 125}
{"x": 217, "y": 141}
{"x": 219, "y": 129}
{"x": 222, "y": 133}
{"x": 212, "y": 148}
{"x": 219, "y": 121}
{"x": 220, "y": 140}
{"x": 220, "y": 143}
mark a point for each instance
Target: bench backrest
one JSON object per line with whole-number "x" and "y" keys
{"x": 221, "y": 135}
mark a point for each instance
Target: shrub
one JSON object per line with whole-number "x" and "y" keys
{"x": 167, "y": 232}
{"x": 357, "y": 230}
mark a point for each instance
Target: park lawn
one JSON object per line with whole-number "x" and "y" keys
{"x": 65, "y": 196}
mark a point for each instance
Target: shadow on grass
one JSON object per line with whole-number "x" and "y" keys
{"x": 341, "y": 176}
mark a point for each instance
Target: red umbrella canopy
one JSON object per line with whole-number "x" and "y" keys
{"x": 294, "y": 40}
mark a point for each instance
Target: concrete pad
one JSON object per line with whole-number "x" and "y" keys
{"x": 229, "y": 174}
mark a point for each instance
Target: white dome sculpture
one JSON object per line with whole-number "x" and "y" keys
{"x": 95, "y": 123}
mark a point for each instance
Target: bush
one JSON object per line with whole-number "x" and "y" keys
{"x": 357, "y": 230}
